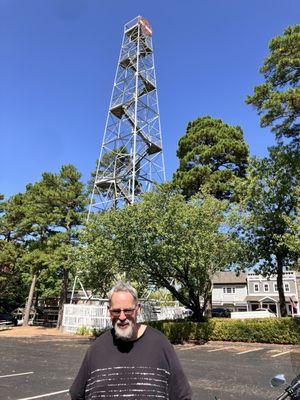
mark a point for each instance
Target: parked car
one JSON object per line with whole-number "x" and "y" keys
{"x": 187, "y": 312}
{"x": 8, "y": 319}
{"x": 19, "y": 314}
{"x": 265, "y": 309}
{"x": 265, "y": 313}
{"x": 220, "y": 312}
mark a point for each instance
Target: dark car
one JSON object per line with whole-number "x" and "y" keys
{"x": 8, "y": 319}
{"x": 220, "y": 312}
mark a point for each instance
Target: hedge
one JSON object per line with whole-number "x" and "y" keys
{"x": 263, "y": 330}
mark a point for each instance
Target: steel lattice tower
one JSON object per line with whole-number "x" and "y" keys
{"x": 131, "y": 157}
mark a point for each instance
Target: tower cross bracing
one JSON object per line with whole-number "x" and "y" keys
{"x": 131, "y": 158}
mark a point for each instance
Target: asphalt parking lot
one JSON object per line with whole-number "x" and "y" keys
{"x": 44, "y": 368}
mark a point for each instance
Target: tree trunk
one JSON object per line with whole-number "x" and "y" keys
{"x": 196, "y": 308}
{"x": 282, "y": 306}
{"x": 207, "y": 299}
{"x": 29, "y": 300}
{"x": 36, "y": 300}
{"x": 208, "y": 308}
{"x": 63, "y": 297}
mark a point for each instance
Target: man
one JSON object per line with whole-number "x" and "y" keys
{"x": 131, "y": 360}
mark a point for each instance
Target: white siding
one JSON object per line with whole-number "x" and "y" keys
{"x": 288, "y": 277}
{"x": 239, "y": 296}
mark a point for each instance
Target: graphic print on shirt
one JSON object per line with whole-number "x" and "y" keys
{"x": 136, "y": 382}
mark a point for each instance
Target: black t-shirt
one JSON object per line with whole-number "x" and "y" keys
{"x": 145, "y": 368}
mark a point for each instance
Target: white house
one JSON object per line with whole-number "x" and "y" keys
{"x": 263, "y": 292}
{"x": 230, "y": 291}
{"x": 249, "y": 291}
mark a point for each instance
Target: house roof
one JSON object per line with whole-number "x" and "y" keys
{"x": 229, "y": 277}
{"x": 270, "y": 297}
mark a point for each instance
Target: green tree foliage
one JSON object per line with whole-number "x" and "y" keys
{"x": 213, "y": 157}
{"x": 278, "y": 99}
{"x": 45, "y": 220}
{"x": 13, "y": 285}
{"x": 114, "y": 170}
{"x": 163, "y": 241}
{"x": 292, "y": 236}
{"x": 112, "y": 162}
{"x": 96, "y": 259}
{"x": 268, "y": 220}
{"x": 55, "y": 210}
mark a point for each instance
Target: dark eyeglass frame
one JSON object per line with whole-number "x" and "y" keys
{"x": 127, "y": 311}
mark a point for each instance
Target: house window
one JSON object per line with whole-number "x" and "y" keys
{"x": 231, "y": 290}
{"x": 256, "y": 287}
{"x": 275, "y": 287}
{"x": 286, "y": 287}
{"x": 266, "y": 287}
{"x": 228, "y": 290}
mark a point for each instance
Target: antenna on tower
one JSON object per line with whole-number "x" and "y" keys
{"x": 131, "y": 159}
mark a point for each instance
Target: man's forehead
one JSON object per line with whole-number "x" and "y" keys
{"x": 122, "y": 298}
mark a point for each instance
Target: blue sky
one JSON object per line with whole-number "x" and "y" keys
{"x": 58, "y": 60}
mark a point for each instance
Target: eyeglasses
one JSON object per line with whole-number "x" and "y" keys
{"x": 117, "y": 312}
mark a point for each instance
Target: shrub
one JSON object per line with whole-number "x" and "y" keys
{"x": 264, "y": 330}
{"x": 97, "y": 331}
{"x": 83, "y": 331}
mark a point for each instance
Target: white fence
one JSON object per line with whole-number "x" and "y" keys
{"x": 97, "y": 316}
{"x": 252, "y": 314}
{"x": 90, "y": 316}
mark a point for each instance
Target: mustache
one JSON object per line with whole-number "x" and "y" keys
{"x": 127, "y": 321}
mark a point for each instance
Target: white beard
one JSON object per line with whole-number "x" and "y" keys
{"x": 124, "y": 334}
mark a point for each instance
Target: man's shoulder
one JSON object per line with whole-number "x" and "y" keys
{"x": 157, "y": 334}
{"x": 154, "y": 331}
{"x": 104, "y": 337}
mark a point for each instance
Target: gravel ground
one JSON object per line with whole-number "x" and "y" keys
{"x": 31, "y": 331}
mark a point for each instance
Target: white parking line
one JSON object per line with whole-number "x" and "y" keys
{"x": 45, "y": 395}
{"x": 23, "y": 373}
{"x": 249, "y": 351}
{"x": 281, "y": 354}
{"x": 186, "y": 348}
{"x": 220, "y": 349}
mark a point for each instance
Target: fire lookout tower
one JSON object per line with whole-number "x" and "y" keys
{"x": 131, "y": 158}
